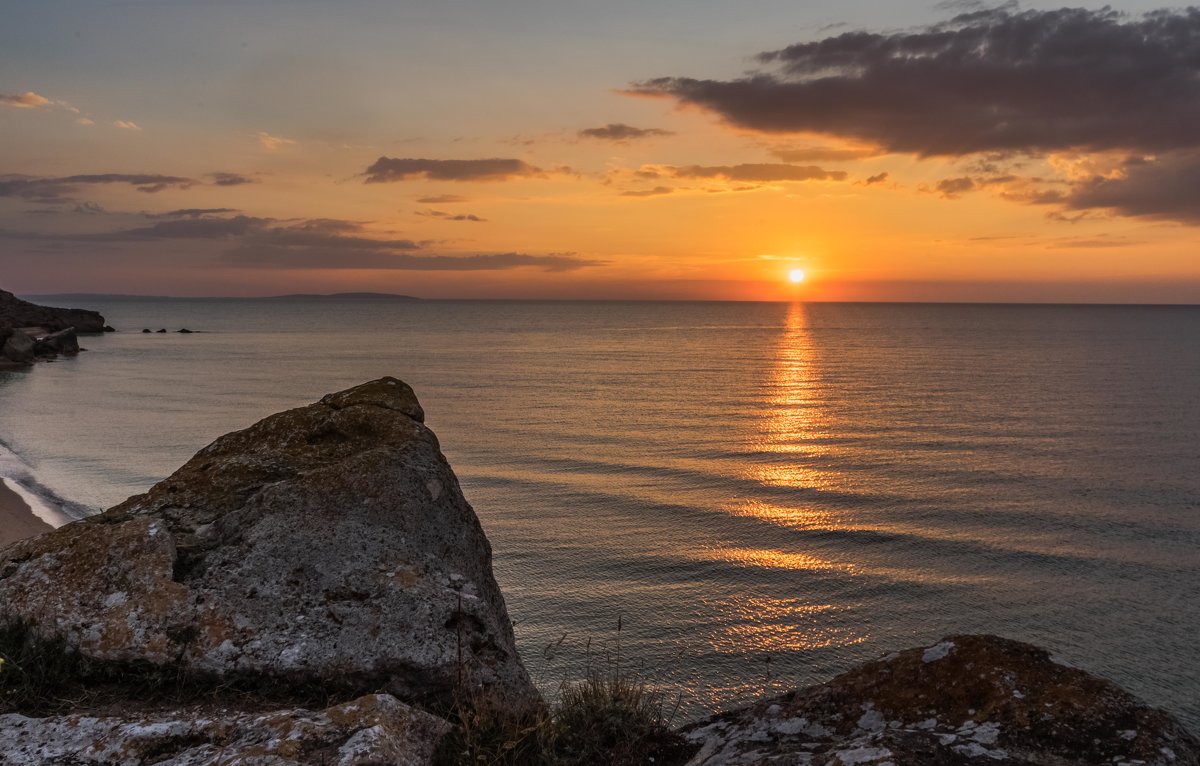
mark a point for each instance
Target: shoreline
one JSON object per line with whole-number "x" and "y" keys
{"x": 17, "y": 518}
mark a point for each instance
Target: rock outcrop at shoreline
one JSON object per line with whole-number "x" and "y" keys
{"x": 29, "y": 332}
{"x": 15, "y": 312}
{"x": 315, "y": 589}
{"x": 326, "y": 545}
{"x": 966, "y": 700}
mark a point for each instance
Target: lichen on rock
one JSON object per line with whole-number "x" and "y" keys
{"x": 329, "y": 544}
{"x": 964, "y": 700}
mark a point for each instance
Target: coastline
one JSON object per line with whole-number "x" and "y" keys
{"x": 17, "y": 519}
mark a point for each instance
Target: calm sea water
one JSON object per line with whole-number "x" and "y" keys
{"x": 762, "y": 494}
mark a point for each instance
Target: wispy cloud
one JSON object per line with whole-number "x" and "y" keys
{"x": 657, "y": 191}
{"x": 230, "y": 179}
{"x": 442, "y": 199}
{"x": 763, "y": 172}
{"x": 26, "y": 100}
{"x": 389, "y": 169}
{"x": 62, "y": 188}
{"x": 619, "y": 132}
{"x": 273, "y": 143}
{"x": 320, "y": 243}
{"x": 127, "y": 125}
{"x": 460, "y": 217}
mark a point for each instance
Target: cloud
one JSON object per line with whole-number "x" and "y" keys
{"x": 876, "y": 179}
{"x": 60, "y": 189}
{"x": 26, "y": 100}
{"x": 657, "y": 191}
{"x": 261, "y": 256}
{"x": 230, "y": 179}
{"x": 319, "y": 243}
{"x": 85, "y": 121}
{"x": 442, "y": 199}
{"x": 192, "y": 212}
{"x": 620, "y": 132}
{"x": 823, "y": 153}
{"x": 762, "y": 172}
{"x": 466, "y": 217}
{"x": 127, "y": 125}
{"x": 997, "y": 79}
{"x": 1166, "y": 187}
{"x": 273, "y": 143}
{"x": 389, "y": 169}
{"x": 953, "y": 188}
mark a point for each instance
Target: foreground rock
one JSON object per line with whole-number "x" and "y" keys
{"x": 328, "y": 545}
{"x": 967, "y": 700}
{"x": 15, "y": 312}
{"x": 373, "y": 730}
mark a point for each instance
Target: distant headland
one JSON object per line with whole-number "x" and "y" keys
{"x": 90, "y": 297}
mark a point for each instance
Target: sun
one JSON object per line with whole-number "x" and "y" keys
{"x": 796, "y": 276}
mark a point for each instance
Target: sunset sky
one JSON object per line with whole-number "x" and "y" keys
{"x": 559, "y": 149}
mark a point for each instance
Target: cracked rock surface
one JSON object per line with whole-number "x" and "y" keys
{"x": 967, "y": 700}
{"x": 325, "y": 545}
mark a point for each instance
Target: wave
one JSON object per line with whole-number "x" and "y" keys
{"x": 45, "y": 503}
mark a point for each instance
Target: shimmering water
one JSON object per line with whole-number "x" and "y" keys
{"x": 764, "y": 494}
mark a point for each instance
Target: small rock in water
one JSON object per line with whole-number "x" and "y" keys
{"x": 185, "y": 331}
{"x": 146, "y": 329}
{"x": 163, "y": 330}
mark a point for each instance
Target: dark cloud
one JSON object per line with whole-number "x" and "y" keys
{"x": 62, "y": 188}
{"x": 192, "y": 212}
{"x": 230, "y": 179}
{"x": 319, "y": 243}
{"x": 464, "y": 217}
{"x": 876, "y": 179}
{"x": 442, "y": 199}
{"x": 657, "y": 191}
{"x": 953, "y": 188}
{"x": 1164, "y": 188}
{"x": 388, "y": 169}
{"x": 998, "y": 79}
{"x": 620, "y": 132}
{"x": 763, "y": 172}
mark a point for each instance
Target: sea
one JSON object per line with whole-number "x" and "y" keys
{"x": 726, "y": 500}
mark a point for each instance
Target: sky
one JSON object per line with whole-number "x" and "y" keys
{"x": 659, "y": 149}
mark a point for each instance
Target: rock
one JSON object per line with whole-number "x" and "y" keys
{"x": 162, "y": 330}
{"x": 109, "y": 328}
{"x": 18, "y": 347}
{"x": 15, "y": 312}
{"x": 185, "y": 331}
{"x": 61, "y": 342}
{"x": 146, "y": 329}
{"x": 373, "y": 730}
{"x": 966, "y": 700}
{"x": 329, "y": 544}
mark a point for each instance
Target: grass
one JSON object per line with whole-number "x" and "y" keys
{"x": 609, "y": 718}
{"x": 603, "y": 720}
{"x": 45, "y": 676}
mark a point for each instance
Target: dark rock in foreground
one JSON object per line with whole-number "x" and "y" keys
{"x": 967, "y": 700}
{"x": 15, "y": 312}
{"x": 327, "y": 545}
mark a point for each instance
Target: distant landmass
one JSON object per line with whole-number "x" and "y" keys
{"x": 85, "y": 297}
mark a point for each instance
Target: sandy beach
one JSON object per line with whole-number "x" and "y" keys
{"x": 16, "y": 518}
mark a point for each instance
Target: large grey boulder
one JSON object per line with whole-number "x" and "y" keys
{"x": 325, "y": 545}
{"x": 369, "y": 731}
{"x": 966, "y": 701}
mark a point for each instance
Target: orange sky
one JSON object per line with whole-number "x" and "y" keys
{"x": 430, "y": 154}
